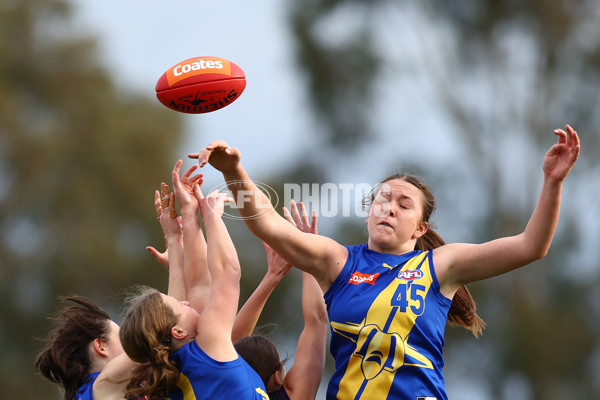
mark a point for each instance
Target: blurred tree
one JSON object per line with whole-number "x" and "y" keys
{"x": 498, "y": 77}
{"x": 79, "y": 162}
{"x": 339, "y": 73}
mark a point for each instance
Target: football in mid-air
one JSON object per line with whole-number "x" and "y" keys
{"x": 200, "y": 85}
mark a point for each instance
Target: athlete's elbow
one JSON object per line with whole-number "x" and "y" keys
{"x": 538, "y": 253}
{"x": 534, "y": 250}
{"x": 315, "y": 314}
{"x": 316, "y": 322}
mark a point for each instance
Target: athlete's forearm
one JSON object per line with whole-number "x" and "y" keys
{"x": 541, "y": 227}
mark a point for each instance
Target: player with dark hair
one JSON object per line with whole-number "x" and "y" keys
{"x": 84, "y": 355}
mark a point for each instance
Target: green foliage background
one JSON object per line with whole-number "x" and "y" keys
{"x": 80, "y": 159}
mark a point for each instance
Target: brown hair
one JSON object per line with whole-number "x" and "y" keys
{"x": 262, "y": 355}
{"x": 66, "y": 358}
{"x": 146, "y": 338}
{"x": 463, "y": 310}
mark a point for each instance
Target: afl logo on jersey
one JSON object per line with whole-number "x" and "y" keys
{"x": 410, "y": 274}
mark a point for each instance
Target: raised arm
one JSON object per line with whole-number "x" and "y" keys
{"x": 318, "y": 255}
{"x": 304, "y": 377}
{"x": 458, "y": 264}
{"x": 216, "y": 321}
{"x": 161, "y": 257}
{"x": 197, "y": 277}
{"x": 249, "y": 314}
{"x": 172, "y": 258}
{"x": 277, "y": 268}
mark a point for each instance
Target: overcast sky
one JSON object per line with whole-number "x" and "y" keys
{"x": 140, "y": 39}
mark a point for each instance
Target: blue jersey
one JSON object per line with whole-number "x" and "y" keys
{"x": 280, "y": 394}
{"x": 387, "y": 318}
{"x": 202, "y": 377}
{"x": 85, "y": 391}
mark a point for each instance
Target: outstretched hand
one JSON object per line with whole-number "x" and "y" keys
{"x": 300, "y": 219}
{"x": 184, "y": 186}
{"x": 214, "y": 202}
{"x": 164, "y": 204}
{"x": 276, "y": 265}
{"x": 219, "y": 155}
{"x": 562, "y": 156}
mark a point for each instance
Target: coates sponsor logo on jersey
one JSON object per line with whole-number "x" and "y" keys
{"x": 410, "y": 274}
{"x": 198, "y": 66}
{"x": 357, "y": 278}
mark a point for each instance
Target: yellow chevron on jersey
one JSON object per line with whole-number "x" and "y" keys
{"x": 382, "y": 338}
{"x": 264, "y": 394}
{"x": 183, "y": 383}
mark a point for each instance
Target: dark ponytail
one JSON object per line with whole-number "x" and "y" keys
{"x": 66, "y": 358}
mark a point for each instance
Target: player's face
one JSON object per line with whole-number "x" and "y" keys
{"x": 114, "y": 342}
{"x": 187, "y": 317}
{"x": 395, "y": 218}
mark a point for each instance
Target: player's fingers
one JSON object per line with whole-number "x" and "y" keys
{"x": 313, "y": 222}
{"x": 303, "y": 213}
{"x": 175, "y": 172}
{"x": 267, "y": 247}
{"x": 186, "y": 175}
{"x": 562, "y": 136}
{"x": 164, "y": 189}
{"x": 201, "y": 156}
{"x": 155, "y": 253}
{"x": 196, "y": 178}
{"x": 198, "y": 192}
{"x": 172, "y": 212}
{"x": 177, "y": 167}
{"x": 296, "y": 214}
{"x": 216, "y": 144}
{"x": 573, "y": 136}
{"x": 157, "y": 205}
{"x": 288, "y": 216}
{"x": 221, "y": 195}
{"x": 164, "y": 196}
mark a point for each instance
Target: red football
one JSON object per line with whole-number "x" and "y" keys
{"x": 200, "y": 85}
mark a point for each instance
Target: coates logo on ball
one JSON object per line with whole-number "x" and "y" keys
{"x": 200, "y": 85}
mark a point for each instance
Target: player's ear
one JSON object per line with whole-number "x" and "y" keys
{"x": 99, "y": 347}
{"x": 275, "y": 380}
{"x": 279, "y": 377}
{"x": 421, "y": 230}
{"x": 178, "y": 333}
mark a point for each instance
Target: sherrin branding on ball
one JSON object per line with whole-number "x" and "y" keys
{"x": 200, "y": 85}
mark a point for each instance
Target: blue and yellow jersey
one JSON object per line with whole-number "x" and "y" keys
{"x": 387, "y": 318}
{"x": 202, "y": 377}
{"x": 85, "y": 391}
